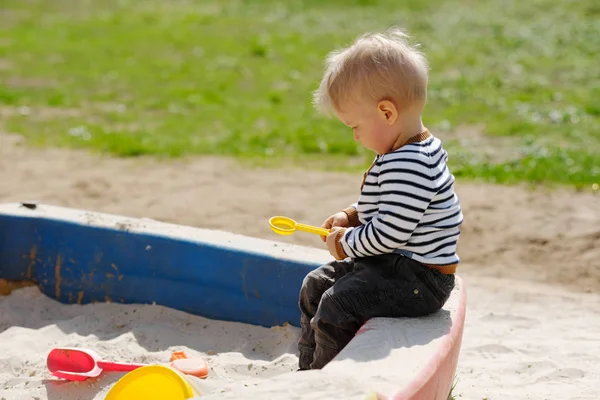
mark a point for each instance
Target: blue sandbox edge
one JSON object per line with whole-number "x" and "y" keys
{"x": 78, "y": 261}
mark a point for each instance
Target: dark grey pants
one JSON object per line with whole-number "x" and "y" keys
{"x": 337, "y": 298}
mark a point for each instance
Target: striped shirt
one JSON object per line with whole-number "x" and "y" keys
{"x": 407, "y": 205}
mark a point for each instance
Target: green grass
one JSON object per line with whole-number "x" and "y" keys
{"x": 186, "y": 77}
{"x": 452, "y": 395}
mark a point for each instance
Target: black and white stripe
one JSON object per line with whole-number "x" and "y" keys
{"x": 408, "y": 203}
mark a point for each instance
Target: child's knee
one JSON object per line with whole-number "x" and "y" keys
{"x": 313, "y": 286}
{"x": 310, "y": 281}
{"x": 329, "y": 311}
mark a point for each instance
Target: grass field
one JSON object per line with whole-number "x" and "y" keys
{"x": 515, "y": 85}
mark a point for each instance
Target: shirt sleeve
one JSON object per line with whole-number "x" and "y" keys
{"x": 352, "y": 213}
{"x": 405, "y": 191}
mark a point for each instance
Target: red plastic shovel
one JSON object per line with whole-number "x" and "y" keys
{"x": 78, "y": 364}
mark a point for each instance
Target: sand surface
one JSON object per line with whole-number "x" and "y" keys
{"x": 31, "y": 324}
{"x": 521, "y": 342}
{"x": 531, "y": 261}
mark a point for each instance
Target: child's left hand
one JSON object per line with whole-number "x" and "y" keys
{"x": 331, "y": 243}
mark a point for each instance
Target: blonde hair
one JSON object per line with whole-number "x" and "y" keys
{"x": 376, "y": 66}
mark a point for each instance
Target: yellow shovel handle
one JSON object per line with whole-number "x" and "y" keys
{"x": 312, "y": 229}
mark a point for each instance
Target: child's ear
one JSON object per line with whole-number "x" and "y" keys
{"x": 388, "y": 111}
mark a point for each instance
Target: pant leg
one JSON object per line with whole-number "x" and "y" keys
{"x": 383, "y": 286}
{"x": 313, "y": 286}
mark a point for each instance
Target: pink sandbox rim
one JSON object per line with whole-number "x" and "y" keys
{"x": 435, "y": 379}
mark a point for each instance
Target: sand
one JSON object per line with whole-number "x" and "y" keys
{"x": 521, "y": 342}
{"x": 32, "y": 324}
{"x": 531, "y": 261}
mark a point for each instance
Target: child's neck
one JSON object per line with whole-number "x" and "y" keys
{"x": 409, "y": 125}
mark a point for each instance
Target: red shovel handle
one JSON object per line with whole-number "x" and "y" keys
{"x": 120, "y": 367}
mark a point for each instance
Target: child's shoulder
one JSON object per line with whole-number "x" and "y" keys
{"x": 416, "y": 152}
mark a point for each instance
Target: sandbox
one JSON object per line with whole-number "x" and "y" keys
{"x": 226, "y": 297}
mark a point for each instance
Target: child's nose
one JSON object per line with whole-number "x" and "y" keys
{"x": 356, "y": 136}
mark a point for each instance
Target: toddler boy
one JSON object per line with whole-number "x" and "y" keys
{"x": 395, "y": 249}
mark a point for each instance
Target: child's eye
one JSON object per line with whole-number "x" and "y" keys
{"x": 354, "y": 128}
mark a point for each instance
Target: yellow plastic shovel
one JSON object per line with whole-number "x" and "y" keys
{"x": 287, "y": 226}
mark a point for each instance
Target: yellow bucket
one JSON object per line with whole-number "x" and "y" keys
{"x": 152, "y": 382}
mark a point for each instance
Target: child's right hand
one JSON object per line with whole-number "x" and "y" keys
{"x": 338, "y": 219}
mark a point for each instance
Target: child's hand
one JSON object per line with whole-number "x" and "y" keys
{"x": 339, "y": 219}
{"x": 331, "y": 243}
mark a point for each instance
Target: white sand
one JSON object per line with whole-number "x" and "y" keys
{"x": 522, "y": 341}
{"x": 529, "y": 341}
{"x": 31, "y": 324}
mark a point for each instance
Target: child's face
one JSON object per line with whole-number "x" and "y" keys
{"x": 373, "y": 125}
